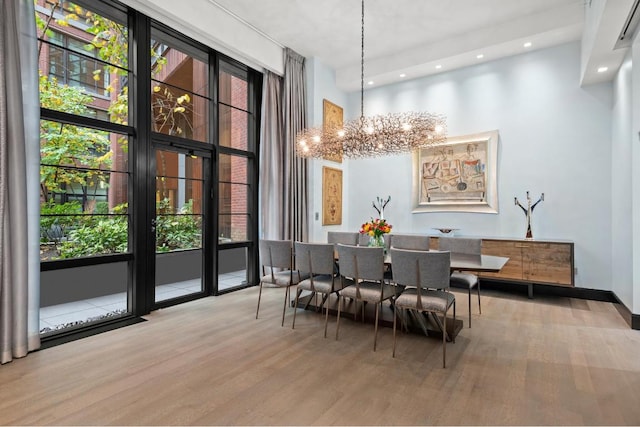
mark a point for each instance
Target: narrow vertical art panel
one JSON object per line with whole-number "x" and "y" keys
{"x": 332, "y": 118}
{"x": 331, "y": 196}
{"x": 459, "y": 175}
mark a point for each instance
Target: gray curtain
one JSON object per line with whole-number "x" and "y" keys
{"x": 19, "y": 181}
{"x": 283, "y": 176}
{"x": 296, "y": 219}
{"x": 272, "y": 159}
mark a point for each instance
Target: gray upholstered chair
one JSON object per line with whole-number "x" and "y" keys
{"x": 414, "y": 242}
{"x": 317, "y": 261}
{"x": 362, "y": 275}
{"x": 425, "y": 275}
{"x": 277, "y": 255}
{"x": 344, "y": 237}
{"x": 466, "y": 246}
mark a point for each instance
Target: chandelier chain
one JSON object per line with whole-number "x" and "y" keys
{"x": 362, "y": 63}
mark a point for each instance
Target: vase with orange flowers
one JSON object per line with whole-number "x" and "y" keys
{"x": 376, "y": 229}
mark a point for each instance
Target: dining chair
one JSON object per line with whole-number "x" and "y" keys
{"x": 277, "y": 254}
{"x": 415, "y": 242}
{"x": 344, "y": 237}
{"x": 317, "y": 261}
{"x": 425, "y": 275}
{"x": 362, "y": 276}
{"x": 465, "y": 246}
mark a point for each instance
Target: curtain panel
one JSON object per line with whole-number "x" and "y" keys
{"x": 296, "y": 219}
{"x": 19, "y": 181}
{"x": 284, "y": 201}
{"x": 273, "y": 185}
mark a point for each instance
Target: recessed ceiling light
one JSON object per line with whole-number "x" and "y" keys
{"x": 370, "y": 82}
{"x": 403, "y": 75}
{"x": 527, "y": 44}
{"x": 602, "y": 69}
{"x": 480, "y": 56}
{"x": 438, "y": 66}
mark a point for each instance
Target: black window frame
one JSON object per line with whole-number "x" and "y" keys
{"x": 141, "y": 150}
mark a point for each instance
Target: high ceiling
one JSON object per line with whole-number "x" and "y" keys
{"x": 409, "y": 36}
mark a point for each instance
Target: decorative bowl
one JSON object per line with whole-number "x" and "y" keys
{"x": 446, "y": 230}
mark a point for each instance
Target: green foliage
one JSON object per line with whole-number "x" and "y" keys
{"x": 55, "y": 228}
{"x": 106, "y": 235}
{"x": 62, "y": 144}
{"x": 101, "y": 208}
{"x": 177, "y": 231}
{"x": 64, "y": 98}
{"x": 94, "y": 235}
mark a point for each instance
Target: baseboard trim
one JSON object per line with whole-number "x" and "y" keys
{"x": 550, "y": 290}
{"x": 632, "y": 319}
{"x": 74, "y": 334}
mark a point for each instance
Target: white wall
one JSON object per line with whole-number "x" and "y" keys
{"x": 555, "y": 137}
{"x": 621, "y": 188}
{"x": 635, "y": 161}
{"x": 321, "y": 84}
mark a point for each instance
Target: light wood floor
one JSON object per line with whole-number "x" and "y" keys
{"x": 545, "y": 361}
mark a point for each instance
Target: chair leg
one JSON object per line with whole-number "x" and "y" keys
{"x": 478, "y": 289}
{"x": 308, "y": 301}
{"x": 444, "y": 341}
{"x": 326, "y": 317}
{"x": 453, "y": 337}
{"x": 324, "y": 300}
{"x": 375, "y": 334}
{"x": 295, "y": 308}
{"x": 284, "y": 307}
{"x": 469, "y": 307}
{"x": 395, "y": 316}
{"x": 338, "y": 320}
{"x": 259, "y": 296}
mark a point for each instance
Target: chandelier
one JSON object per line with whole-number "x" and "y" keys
{"x": 372, "y": 136}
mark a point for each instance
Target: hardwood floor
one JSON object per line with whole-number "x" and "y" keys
{"x": 544, "y": 361}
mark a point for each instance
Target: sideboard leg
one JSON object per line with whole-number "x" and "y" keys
{"x": 530, "y": 290}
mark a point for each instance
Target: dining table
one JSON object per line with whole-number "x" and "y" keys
{"x": 468, "y": 262}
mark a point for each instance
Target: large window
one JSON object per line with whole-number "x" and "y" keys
{"x": 236, "y": 154}
{"x": 179, "y": 88}
{"x": 148, "y": 165}
{"x": 84, "y": 192}
{"x": 85, "y": 176}
{"x": 237, "y": 113}
{"x": 84, "y": 172}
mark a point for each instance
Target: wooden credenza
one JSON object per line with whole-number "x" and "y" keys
{"x": 530, "y": 261}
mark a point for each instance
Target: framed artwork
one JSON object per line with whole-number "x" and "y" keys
{"x": 457, "y": 176}
{"x": 332, "y": 117}
{"x": 331, "y": 196}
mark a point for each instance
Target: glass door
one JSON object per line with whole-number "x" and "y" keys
{"x": 182, "y": 180}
